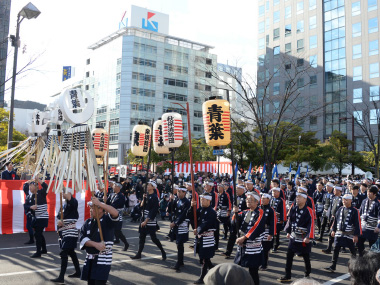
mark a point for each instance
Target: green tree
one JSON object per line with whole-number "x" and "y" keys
{"x": 17, "y": 136}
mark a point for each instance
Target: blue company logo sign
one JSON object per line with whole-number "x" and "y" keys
{"x": 148, "y": 24}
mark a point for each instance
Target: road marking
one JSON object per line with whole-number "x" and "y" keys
{"x": 50, "y": 244}
{"x": 72, "y": 267}
{"x": 338, "y": 279}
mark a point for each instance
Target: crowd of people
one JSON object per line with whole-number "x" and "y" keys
{"x": 251, "y": 220}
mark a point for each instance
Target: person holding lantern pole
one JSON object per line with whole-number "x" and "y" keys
{"x": 37, "y": 205}
{"x": 68, "y": 235}
{"x": 97, "y": 264}
{"x": 117, "y": 200}
{"x": 149, "y": 222}
{"x": 180, "y": 225}
{"x": 205, "y": 240}
{"x": 251, "y": 224}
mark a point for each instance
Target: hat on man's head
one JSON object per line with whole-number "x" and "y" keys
{"x": 153, "y": 184}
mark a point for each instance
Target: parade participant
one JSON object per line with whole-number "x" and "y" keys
{"x": 68, "y": 235}
{"x": 228, "y": 189}
{"x": 117, "y": 200}
{"x": 180, "y": 226}
{"x": 336, "y": 203}
{"x": 279, "y": 206}
{"x": 28, "y": 213}
{"x": 363, "y": 190}
{"x": 242, "y": 205}
{"x": 189, "y": 194}
{"x": 97, "y": 264}
{"x": 318, "y": 201}
{"x": 251, "y": 230}
{"x": 9, "y": 173}
{"x": 149, "y": 225}
{"x": 99, "y": 193}
{"x": 300, "y": 231}
{"x": 327, "y": 199}
{"x": 250, "y": 188}
{"x": 275, "y": 183}
{"x": 208, "y": 189}
{"x": 223, "y": 209}
{"x": 262, "y": 187}
{"x": 356, "y": 198}
{"x": 40, "y": 214}
{"x": 291, "y": 194}
{"x": 370, "y": 219}
{"x": 205, "y": 240}
{"x": 270, "y": 227}
{"x": 345, "y": 229}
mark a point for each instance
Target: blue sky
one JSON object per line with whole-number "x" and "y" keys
{"x": 64, "y": 30}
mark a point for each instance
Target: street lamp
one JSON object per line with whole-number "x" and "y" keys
{"x": 30, "y": 12}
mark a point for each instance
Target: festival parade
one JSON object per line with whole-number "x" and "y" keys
{"x": 149, "y": 158}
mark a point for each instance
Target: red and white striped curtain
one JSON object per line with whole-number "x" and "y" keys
{"x": 206, "y": 166}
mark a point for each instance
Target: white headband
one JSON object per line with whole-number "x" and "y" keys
{"x": 266, "y": 195}
{"x": 347, "y": 197}
{"x": 302, "y": 195}
{"x": 276, "y": 189}
{"x": 254, "y": 195}
{"x": 206, "y": 197}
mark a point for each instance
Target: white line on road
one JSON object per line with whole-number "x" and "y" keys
{"x": 34, "y": 246}
{"x": 72, "y": 267}
{"x": 338, "y": 279}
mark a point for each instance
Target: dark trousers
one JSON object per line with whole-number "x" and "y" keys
{"x": 337, "y": 248}
{"x": 154, "y": 238}
{"x": 267, "y": 245}
{"x": 40, "y": 239}
{"x": 29, "y": 227}
{"x": 361, "y": 246}
{"x": 206, "y": 265}
{"x": 92, "y": 281}
{"x": 180, "y": 254}
{"x": 119, "y": 235}
{"x": 254, "y": 271}
{"x": 276, "y": 242}
{"x": 323, "y": 227}
{"x": 231, "y": 241}
{"x": 319, "y": 222}
{"x": 289, "y": 263}
{"x": 65, "y": 253}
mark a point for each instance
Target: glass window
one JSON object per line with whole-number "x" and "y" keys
{"x": 276, "y": 107}
{"x": 358, "y": 116}
{"x": 300, "y": 26}
{"x": 313, "y": 60}
{"x": 374, "y": 70}
{"x": 356, "y": 30}
{"x": 261, "y": 10}
{"x": 276, "y": 50}
{"x": 299, "y": 7}
{"x": 276, "y": 34}
{"x": 312, "y": 22}
{"x": 276, "y": 88}
{"x": 288, "y": 48}
{"x": 357, "y": 73}
{"x": 312, "y": 4}
{"x": 267, "y": 40}
{"x": 300, "y": 83}
{"x": 372, "y": 5}
{"x": 313, "y": 42}
{"x": 374, "y": 116}
{"x": 300, "y": 62}
{"x": 276, "y": 16}
{"x": 261, "y": 27}
{"x": 276, "y": 2}
{"x": 357, "y": 51}
{"x": 374, "y": 93}
{"x": 276, "y": 71}
{"x": 288, "y": 12}
{"x": 372, "y": 25}
{"x": 313, "y": 80}
{"x": 262, "y": 43}
{"x": 356, "y": 8}
{"x": 267, "y": 23}
{"x": 374, "y": 47}
{"x": 300, "y": 45}
{"x": 357, "y": 95}
{"x": 288, "y": 30}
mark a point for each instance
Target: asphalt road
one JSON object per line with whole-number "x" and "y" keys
{"x": 16, "y": 266}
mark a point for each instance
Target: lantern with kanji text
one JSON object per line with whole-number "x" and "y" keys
{"x": 216, "y": 121}
{"x": 158, "y": 138}
{"x": 141, "y": 135}
{"x": 172, "y": 130}
{"x": 100, "y": 139}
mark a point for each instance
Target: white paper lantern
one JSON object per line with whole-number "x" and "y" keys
{"x": 158, "y": 138}
{"x": 173, "y": 129}
{"x": 100, "y": 138}
{"x": 141, "y": 135}
{"x": 76, "y": 105}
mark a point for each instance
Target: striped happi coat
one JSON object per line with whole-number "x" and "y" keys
{"x": 370, "y": 218}
{"x": 252, "y": 225}
{"x": 181, "y": 220}
{"x": 206, "y": 218}
{"x": 346, "y": 228}
{"x": 68, "y": 234}
{"x": 101, "y": 262}
{"x": 40, "y": 215}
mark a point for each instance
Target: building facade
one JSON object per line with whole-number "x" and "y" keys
{"x": 137, "y": 74}
{"x": 5, "y": 8}
{"x": 339, "y": 42}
